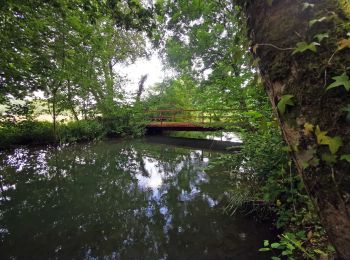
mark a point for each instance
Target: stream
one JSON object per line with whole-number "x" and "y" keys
{"x": 120, "y": 199}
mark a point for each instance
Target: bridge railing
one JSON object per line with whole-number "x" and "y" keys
{"x": 189, "y": 115}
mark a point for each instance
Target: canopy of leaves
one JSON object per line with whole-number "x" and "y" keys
{"x": 68, "y": 49}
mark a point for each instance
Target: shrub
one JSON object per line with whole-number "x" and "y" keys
{"x": 83, "y": 130}
{"x": 25, "y": 132}
{"x": 35, "y": 132}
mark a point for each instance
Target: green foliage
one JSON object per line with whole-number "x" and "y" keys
{"x": 329, "y": 158}
{"x": 294, "y": 245}
{"x": 347, "y": 110}
{"x": 342, "y": 80}
{"x": 126, "y": 122}
{"x": 345, "y": 157}
{"x": 314, "y": 21}
{"x": 34, "y": 132}
{"x": 334, "y": 143}
{"x": 208, "y": 52}
{"x": 286, "y": 100}
{"x": 321, "y": 36}
{"x": 82, "y": 130}
{"x": 68, "y": 49}
{"x": 288, "y": 243}
{"x": 25, "y": 132}
{"x": 304, "y": 46}
{"x": 17, "y": 109}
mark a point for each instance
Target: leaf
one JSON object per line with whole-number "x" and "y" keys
{"x": 266, "y": 243}
{"x": 343, "y": 43}
{"x": 345, "y": 157}
{"x": 284, "y": 101}
{"x": 307, "y": 5}
{"x": 342, "y": 80}
{"x": 304, "y": 46}
{"x": 264, "y": 249}
{"x": 275, "y": 245}
{"x": 347, "y": 109}
{"x": 312, "y": 22}
{"x": 321, "y": 36}
{"x": 320, "y": 252}
{"x": 334, "y": 144}
{"x": 329, "y": 158}
{"x": 275, "y": 258}
{"x": 308, "y": 128}
{"x": 269, "y": 2}
{"x": 287, "y": 252}
{"x": 321, "y": 135}
{"x": 290, "y": 246}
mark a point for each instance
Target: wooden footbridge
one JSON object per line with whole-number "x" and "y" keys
{"x": 187, "y": 119}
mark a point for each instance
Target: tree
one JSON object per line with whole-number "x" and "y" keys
{"x": 205, "y": 42}
{"x": 68, "y": 49}
{"x": 302, "y": 51}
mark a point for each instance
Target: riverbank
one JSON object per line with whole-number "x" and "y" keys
{"x": 36, "y": 132}
{"x": 41, "y": 133}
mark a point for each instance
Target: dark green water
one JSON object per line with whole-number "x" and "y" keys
{"x": 119, "y": 200}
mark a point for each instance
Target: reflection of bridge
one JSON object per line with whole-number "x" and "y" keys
{"x": 187, "y": 119}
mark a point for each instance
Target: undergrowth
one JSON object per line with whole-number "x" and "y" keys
{"x": 263, "y": 175}
{"x": 35, "y": 132}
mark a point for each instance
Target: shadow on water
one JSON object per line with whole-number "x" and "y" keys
{"x": 119, "y": 200}
{"x": 212, "y": 145}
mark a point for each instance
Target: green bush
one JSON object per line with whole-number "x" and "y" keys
{"x": 25, "y": 132}
{"x": 34, "y": 132}
{"x": 83, "y": 130}
{"x": 264, "y": 163}
{"x": 126, "y": 122}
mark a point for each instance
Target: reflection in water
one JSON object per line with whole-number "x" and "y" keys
{"x": 118, "y": 200}
{"x": 225, "y": 136}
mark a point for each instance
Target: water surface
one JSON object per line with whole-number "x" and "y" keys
{"x": 119, "y": 200}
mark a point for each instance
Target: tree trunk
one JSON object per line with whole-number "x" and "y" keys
{"x": 54, "y": 114}
{"x": 141, "y": 87}
{"x": 275, "y": 29}
{"x": 71, "y": 102}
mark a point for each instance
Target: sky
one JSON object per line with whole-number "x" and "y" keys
{"x": 153, "y": 67}
{"x": 133, "y": 72}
